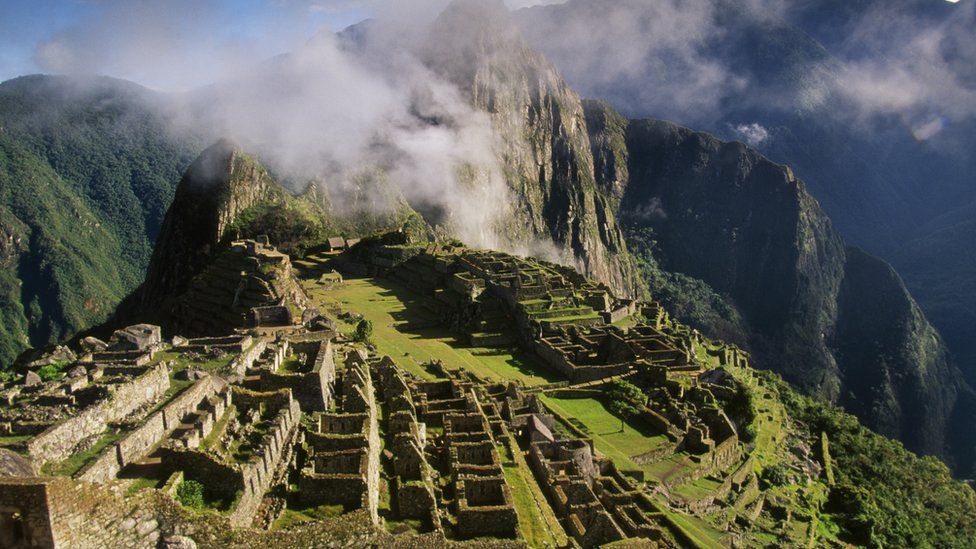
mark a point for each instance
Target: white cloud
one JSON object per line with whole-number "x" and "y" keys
{"x": 752, "y": 134}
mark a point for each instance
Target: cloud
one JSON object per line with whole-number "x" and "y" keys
{"x": 653, "y": 211}
{"x": 752, "y": 134}
{"x": 695, "y": 61}
{"x": 330, "y": 114}
{"x": 371, "y": 120}
{"x": 647, "y": 58}
{"x": 896, "y": 62}
{"x": 518, "y": 4}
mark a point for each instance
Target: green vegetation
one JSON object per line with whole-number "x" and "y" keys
{"x": 86, "y": 175}
{"x": 293, "y": 224}
{"x": 623, "y": 398}
{"x": 404, "y": 329}
{"x": 364, "y": 331}
{"x": 142, "y": 483}
{"x": 292, "y": 516}
{"x": 13, "y": 440}
{"x": 884, "y": 495}
{"x": 688, "y": 299}
{"x": 51, "y": 372}
{"x": 190, "y": 494}
{"x": 617, "y": 439}
{"x": 536, "y": 527}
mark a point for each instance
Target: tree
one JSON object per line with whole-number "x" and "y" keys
{"x": 364, "y": 331}
{"x": 624, "y": 399}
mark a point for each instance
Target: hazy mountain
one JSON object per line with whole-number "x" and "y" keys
{"x": 870, "y": 103}
{"x": 88, "y": 170}
{"x": 830, "y": 318}
{"x": 732, "y": 237}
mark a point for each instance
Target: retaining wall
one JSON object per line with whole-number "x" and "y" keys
{"x": 58, "y": 442}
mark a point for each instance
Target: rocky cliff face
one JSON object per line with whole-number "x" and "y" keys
{"x": 832, "y": 319}
{"x": 217, "y": 187}
{"x": 544, "y": 144}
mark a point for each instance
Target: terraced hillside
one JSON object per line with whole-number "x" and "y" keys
{"x": 425, "y": 394}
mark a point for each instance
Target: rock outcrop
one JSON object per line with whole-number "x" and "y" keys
{"x": 830, "y": 318}
{"x": 220, "y": 184}
{"x": 545, "y": 151}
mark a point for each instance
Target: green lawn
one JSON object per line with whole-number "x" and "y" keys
{"x": 411, "y": 335}
{"x": 290, "y": 517}
{"x": 11, "y": 440}
{"x": 700, "y": 531}
{"x": 604, "y": 428}
{"x": 693, "y": 491}
{"x": 538, "y": 522}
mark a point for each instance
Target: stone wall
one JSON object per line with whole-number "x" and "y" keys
{"x": 484, "y": 507}
{"x": 247, "y": 482}
{"x": 261, "y": 472}
{"x": 28, "y": 498}
{"x": 272, "y": 315}
{"x": 57, "y": 442}
{"x": 245, "y": 360}
{"x": 139, "y": 441}
{"x": 415, "y": 499}
{"x": 313, "y": 389}
{"x": 345, "y": 454}
{"x": 61, "y": 513}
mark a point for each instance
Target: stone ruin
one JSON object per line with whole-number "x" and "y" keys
{"x": 251, "y": 284}
{"x": 269, "y": 421}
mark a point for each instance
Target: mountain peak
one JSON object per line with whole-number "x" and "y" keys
{"x": 219, "y": 185}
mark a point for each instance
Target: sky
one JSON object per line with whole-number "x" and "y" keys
{"x": 43, "y": 35}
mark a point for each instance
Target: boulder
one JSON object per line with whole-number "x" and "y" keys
{"x": 138, "y": 337}
{"x": 32, "y": 379}
{"x": 77, "y": 371}
{"x": 14, "y": 465}
{"x": 93, "y": 344}
{"x": 58, "y": 354}
{"x": 178, "y": 341}
{"x": 177, "y": 542}
{"x": 190, "y": 375}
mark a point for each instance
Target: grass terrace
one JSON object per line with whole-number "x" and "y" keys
{"x": 74, "y": 464}
{"x": 13, "y": 440}
{"x": 537, "y": 521}
{"x": 411, "y": 335}
{"x": 605, "y": 430}
{"x": 299, "y": 515}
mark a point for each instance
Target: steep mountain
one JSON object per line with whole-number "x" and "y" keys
{"x": 544, "y": 146}
{"x": 88, "y": 172}
{"x": 939, "y": 266}
{"x": 218, "y": 186}
{"x": 788, "y": 82}
{"x": 832, "y": 319}
{"x": 730, "y": 237}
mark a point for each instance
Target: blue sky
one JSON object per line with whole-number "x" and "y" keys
{"x": 176, "y": 44}
{"x": 268, "y": 27}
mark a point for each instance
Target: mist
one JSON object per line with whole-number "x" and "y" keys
{"x": 336, "y": 111}
{"x": 680, "y": 60}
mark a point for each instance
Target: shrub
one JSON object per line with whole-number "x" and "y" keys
{"x": 775, "y": 475}
{"x": 364, "y": 331}
{"x": 52, "y": 371}
{"x": 190, "y": 494}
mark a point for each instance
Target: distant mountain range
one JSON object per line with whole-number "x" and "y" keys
{"x": 728, "y": 239}
{"x": 785, "y": 77}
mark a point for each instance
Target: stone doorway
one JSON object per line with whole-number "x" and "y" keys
{"x": 13, "y": 529}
